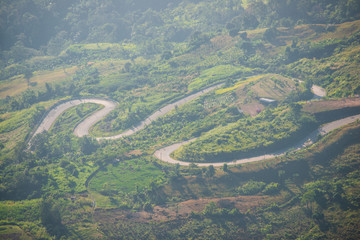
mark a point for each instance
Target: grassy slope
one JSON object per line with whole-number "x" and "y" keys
{"x": 258, "y": 216}
{"x": 267, "y": 216}
{"x": 243, "y": 135}
{"x": 199, "y": 70}
{"x": 18, "y": 84}
{"x": 122, "y": 178}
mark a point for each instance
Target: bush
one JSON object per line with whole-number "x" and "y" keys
{"x": 251, "y": 187}
{"x": 271, "y": 188}
{"x": 148, "y": 207}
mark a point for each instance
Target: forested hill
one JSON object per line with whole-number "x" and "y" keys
{"x": 46, "y": 27}
{"x": 225, "y": 79}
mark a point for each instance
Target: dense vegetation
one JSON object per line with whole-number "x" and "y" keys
{"x": 146, "y": 54}
{"x": 270, "y": 131}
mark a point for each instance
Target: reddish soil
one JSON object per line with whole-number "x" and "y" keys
{"x": 251, "y": 108}
{"x": 136, "y": 152}
{"x": 327, "y": 105}
{"x": 182, "y": 209}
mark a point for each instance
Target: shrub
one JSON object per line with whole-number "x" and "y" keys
{"x": 251, "y": 187}
{"x": 271, "y": 188}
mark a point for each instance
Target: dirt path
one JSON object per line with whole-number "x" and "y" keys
{"x": 164, "y": 153}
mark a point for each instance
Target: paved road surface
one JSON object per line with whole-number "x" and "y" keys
{"x": 164, "y": 153}
{"x": 161, "y": 112}
{"x": 83, "y": 128}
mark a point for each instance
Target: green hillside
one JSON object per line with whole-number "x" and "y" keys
{"x": 263, "y": 59}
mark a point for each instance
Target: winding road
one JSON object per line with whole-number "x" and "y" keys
{"x": 163, "y": 154}
{"x": 83, "y": 128}
{"x": 160, "y": 113}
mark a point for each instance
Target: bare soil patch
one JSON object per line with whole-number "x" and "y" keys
{"x": 182, "y": 209}
{"x": 252, "y": 109}
{"x": 271, "y": 86}
{"x": 328, "y": 105}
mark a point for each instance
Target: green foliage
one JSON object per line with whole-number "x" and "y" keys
{"x": 225, "y": 168}
{"x": 19, "y": 184}
{"x": 50, "y": 217}
{"x": 145, "y": 54}
{"x": 210, "y": 171}
{"x": 27, "y": 210}
{"x": 251, "y": 188}
{"x": 266, "y": 132}
{"x": 88, "y": 145}
{"x": 188, "y": 121}
{"x": 217, "y": 74}
{"x": 197, "y": 39}
{"x": 28, "y": 117}
{"x": 134, "y": 174}
{"x": 271, "y": 188}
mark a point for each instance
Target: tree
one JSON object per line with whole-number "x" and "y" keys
{"x": 247, "y": 47}
{"x": 87, "y": 145}
{"x": 243, "y": 36}
{"x": 210, "y": 172}
{"x": 49, "y": 89}
{"x": 40, "y": 144}
{"x": 225, "y": 167}
{"x": 234, "y": 32}
{"x": 51, "y": 218}
{"x": 308, "y": 198}
{"x": 210, "y": 209}
{"x": 270, "y": 34}
{"x": 28, "y": 74}
{"x": 281, "y": 175}
{"x": 58, "y": 43}
{"x": 295, "y": 110}
{"x": 177, "y": 169}
{"x": 197, "y": 39}
{"x": 155, "y": 193}
{"x": 166, "y": 55}
{"x": 127, "y": 67}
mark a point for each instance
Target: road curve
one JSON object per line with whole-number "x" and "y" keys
{"x": 162, "y": 112}
{"x": 83, "y": 128}
{"x": 164, "y": 153}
